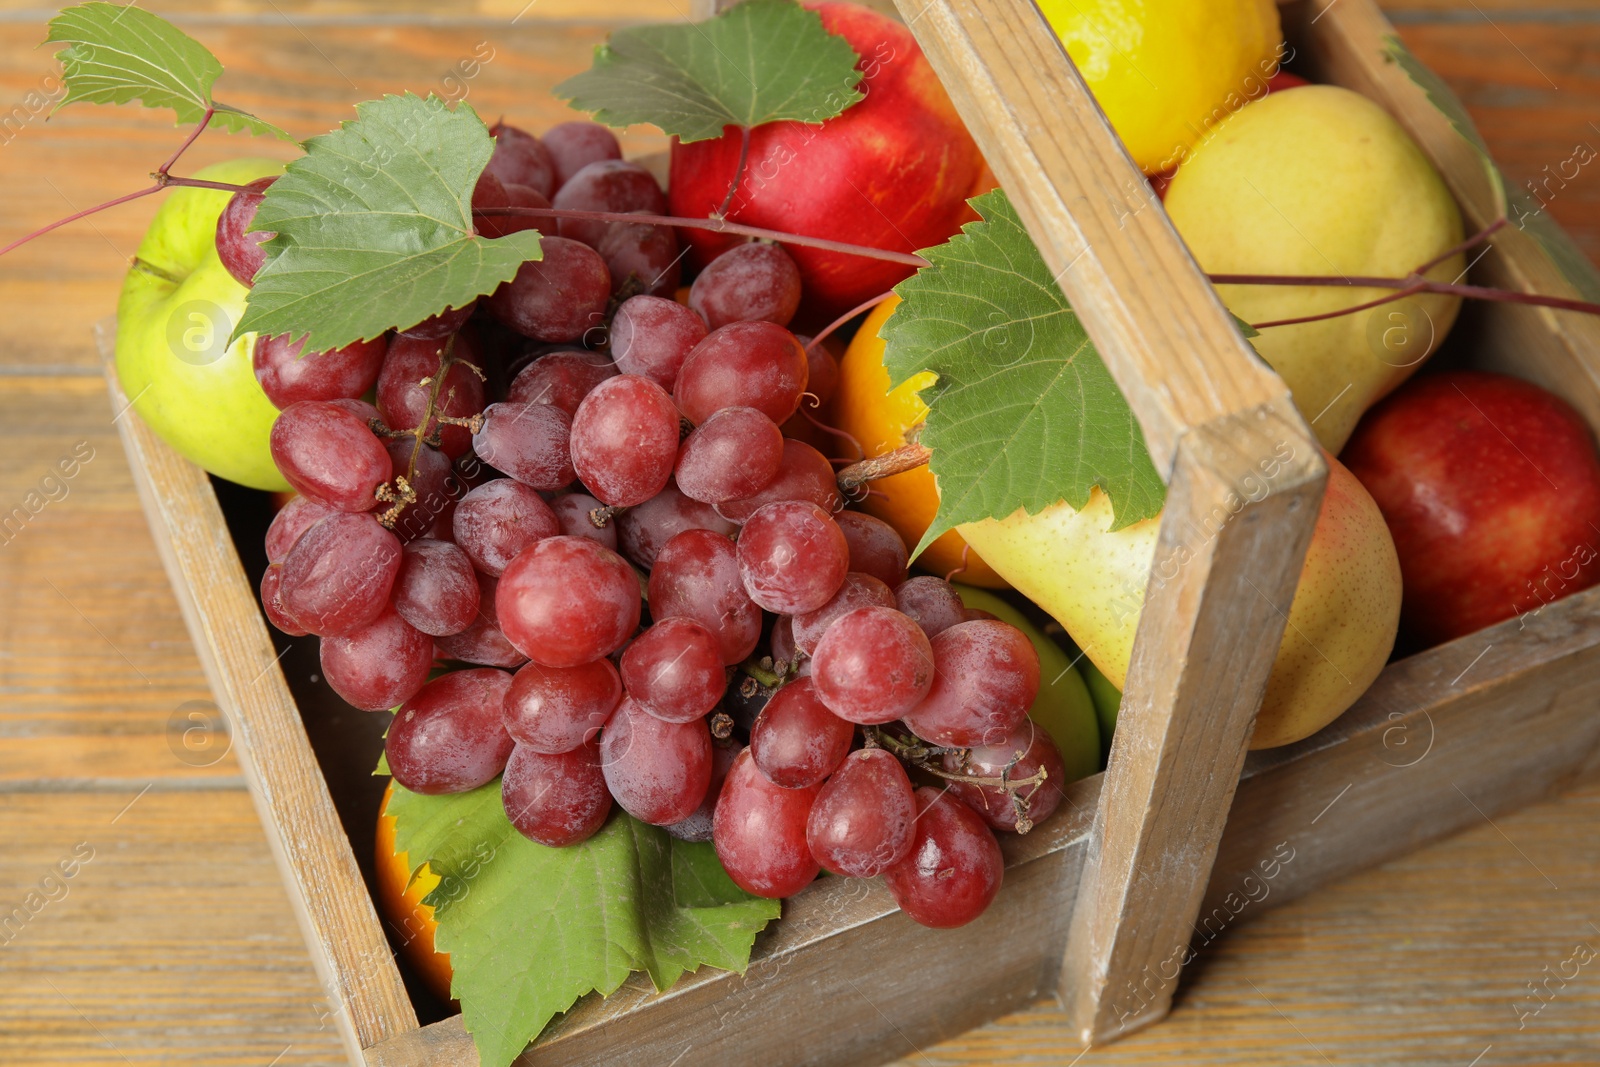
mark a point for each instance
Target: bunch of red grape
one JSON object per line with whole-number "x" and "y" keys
{"x": 647, "y": 456}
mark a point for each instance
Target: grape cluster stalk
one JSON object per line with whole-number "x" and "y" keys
{"x": 598, "y": 508}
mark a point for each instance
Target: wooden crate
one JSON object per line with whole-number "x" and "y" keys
{"x": 1182, "y": 836}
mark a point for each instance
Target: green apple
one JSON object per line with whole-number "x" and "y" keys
{"x": 1063, "y": 706}
{"x": 1320, "y": 180}
{"x": 1107, "y": 702}
{"x": 177, "y": 310}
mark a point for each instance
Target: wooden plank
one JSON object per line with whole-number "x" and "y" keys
{"x": 336, "y": 914}
{"x": 170, "y": 943}
{"x": 1206, "y": 639}
{"x": 1421, "y": 961}
{"x": 95, "y": 694}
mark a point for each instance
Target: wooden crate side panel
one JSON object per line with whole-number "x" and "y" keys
{"x": 1346, "y": 45}
{"x": 366, "y": 998}
{"x": 843, "y": 978}
{"x": 1442, "y": 741}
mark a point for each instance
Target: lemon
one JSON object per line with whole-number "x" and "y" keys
{"x": 1165, "y": 71}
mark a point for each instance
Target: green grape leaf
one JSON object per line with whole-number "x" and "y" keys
{"x": 1024, "y": 413}
{"x": 116, "y": 55}
{"x": 1444, "y": 98}
{"x": 759, "y": 61}
{"x": 530, "y": 929}
{"x": 374, "y": 227}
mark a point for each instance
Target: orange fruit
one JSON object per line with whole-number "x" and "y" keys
{"x": 866, "y": 408}
{"x": 400, "y": 901}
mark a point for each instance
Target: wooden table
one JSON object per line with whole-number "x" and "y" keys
{"x": 173, "y": 942}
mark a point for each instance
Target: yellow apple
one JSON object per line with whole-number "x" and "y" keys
{"x": 177, "y": 309}
{"x": 1341, "y": 626}
{"x": 1319, "y": 180}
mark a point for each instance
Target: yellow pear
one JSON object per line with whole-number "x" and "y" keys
{"x": 1341, "y": 625}
{"x": 1320, "y": 180}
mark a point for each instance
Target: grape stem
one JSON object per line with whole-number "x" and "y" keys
{"x": 922, "y": 755}
{"x": 910, "y": 259}
{"x": 403, "y": 492}
{"x": 832, "y": 327}
{"x": 909, "y": 456}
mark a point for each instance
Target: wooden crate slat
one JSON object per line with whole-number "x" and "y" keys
{"x": 366, "y": 999}
{"x": 1210, "y": 416}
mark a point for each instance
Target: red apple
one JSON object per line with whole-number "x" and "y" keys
{"x": 1491, "y": 488}
{"x": 892, "y": 172}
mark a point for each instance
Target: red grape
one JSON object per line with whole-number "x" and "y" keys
{"x": 954, "y": 868}
{"x": 519, "y": 158}
{"x": 330, "y": 455}
{"x": 336, "y": 579}
{"x": 985, "y": 678}
{"x": 697, "y": 827}
{"x": 403, "y": 399}
{"x": 931, "y": 602}
{"x": 804, "y": 474}
{"x": 782, "y": 646}
{"x": 625, "y": 440}
{"x": 858, "y": 591}
{"x": 744, "y": 364}
{"x": 528, "y": 442}
{"x": 792, "y": 557}
{"x": 822, "y": 376}
{"x": 643, "y": 529}
{"x": 574, "y": 145}
{"x": 558, "y": 799}
{"x": 873, "y": 665}
{"x": 561, "y": 378}
{"x": 556, "y": 709}
{"x": 796, "y": 741}
{"x": 658, "y": 771}
{"x": 696, "y": 576}
{"x": 674, "y": 670}
{"x": 1031, "y": 749}
{"x": 864, "y": 819}
{"x": 272, "y": 602}
{"x": 380, "y": 665}
{"x": 567, "y": 601}
{"x": 436, "y": 590}
{"x": 288, "y": 373}
{"x": 449, "y": 737}
{"x": 482, "y": 642}
{"x": 292, "y": 520}
{"x": 642, "y": 254}
{"x": 572, "y": 513}
{"x": 875, "y": 547}
{"x": 557, "y": 298}
{"x": 437, "y": 327}
{"x": 760, "y": 832}
{"x": 606, "y": 185}
{"x": 731, "y": 455}
{"x": 241, "y": 252}
{"x": 748, "y": 283}
{"x": 513, "y": 195}
{"x": 499, "y": 519}
{"x": 651, "y": 337}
